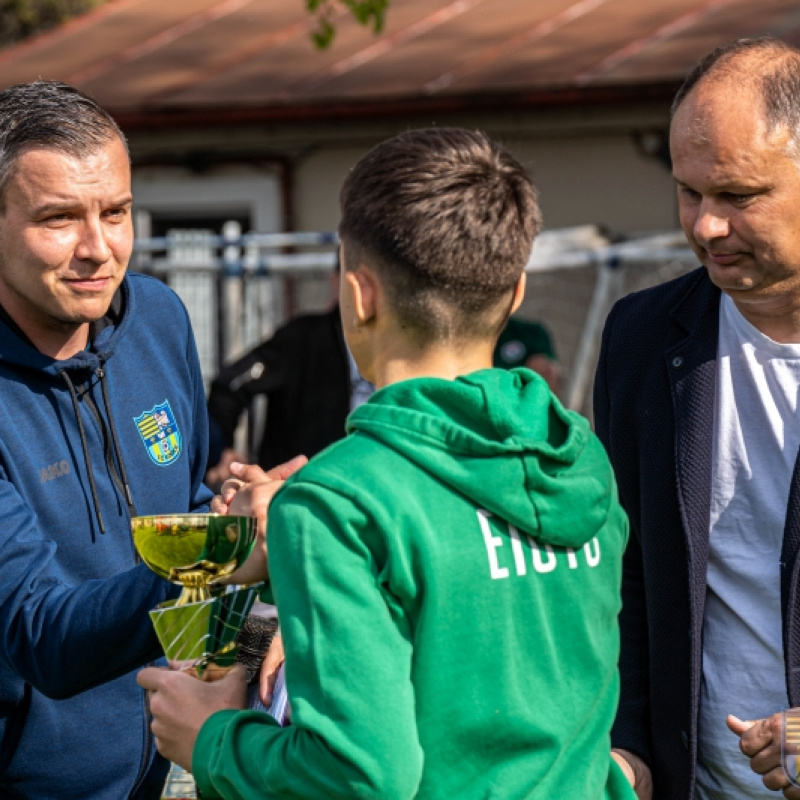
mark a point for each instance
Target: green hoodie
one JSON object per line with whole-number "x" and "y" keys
{"x": 447, "y": 579}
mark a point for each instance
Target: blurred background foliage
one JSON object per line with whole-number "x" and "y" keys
{"x": 22, "y": 18}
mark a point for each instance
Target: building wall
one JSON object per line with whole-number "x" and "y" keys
{"x": 598, "y": 178}
{"x": 585, "y": 161}
{"x": 218, "y": 190}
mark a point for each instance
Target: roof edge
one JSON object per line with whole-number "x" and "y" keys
{"x": 310, "y": 113}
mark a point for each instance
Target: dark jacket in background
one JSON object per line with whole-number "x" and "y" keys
{"x": 304, "y": 372}
{"x": 654, "y": 411}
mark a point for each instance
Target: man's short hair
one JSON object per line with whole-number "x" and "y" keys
{"x": 769, "y": 65}
{"x": 53, "y": 116}
{"x": 447, "y": 218}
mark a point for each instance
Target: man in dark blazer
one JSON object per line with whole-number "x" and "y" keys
{"x": 697, "y": 390}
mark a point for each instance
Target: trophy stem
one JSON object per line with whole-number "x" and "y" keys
{"x": 196, "y": 580}
{"x": 195, "y": 585}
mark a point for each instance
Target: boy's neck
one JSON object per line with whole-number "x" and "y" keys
{"x": 402, "y": 362}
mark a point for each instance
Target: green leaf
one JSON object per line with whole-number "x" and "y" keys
{"x": 323, "y": 35}
{"x": 365, "y": 12}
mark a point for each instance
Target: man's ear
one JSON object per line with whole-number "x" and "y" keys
{"x": 519, "y": 293}
{"x": 363, "y": 288}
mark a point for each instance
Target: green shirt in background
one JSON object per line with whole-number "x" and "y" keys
{"x": 447, "y": 579}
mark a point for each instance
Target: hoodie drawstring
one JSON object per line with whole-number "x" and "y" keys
{"x": 123, "y": 475}
{"x": 101, "y": 373}
{"x": 84, "y": 445}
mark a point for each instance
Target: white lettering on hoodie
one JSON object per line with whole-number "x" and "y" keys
{"x": 543, "y": 557}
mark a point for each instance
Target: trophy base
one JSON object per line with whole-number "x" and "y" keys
{"x": 180, "y": 785}
{"x": 202, "y": 635}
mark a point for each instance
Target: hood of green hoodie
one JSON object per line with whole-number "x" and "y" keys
{"x": 501, "y": 439}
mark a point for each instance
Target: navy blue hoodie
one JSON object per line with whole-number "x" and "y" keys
{"x": 85, "y": 443}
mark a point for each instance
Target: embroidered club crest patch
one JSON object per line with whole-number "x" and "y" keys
{"x": 160, "y": 434}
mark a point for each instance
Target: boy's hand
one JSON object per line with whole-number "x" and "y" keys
{"x": 269, "y": 669}
{"x": 249, "y": 494}
{"x": 180, "y": 705}
{"x": 636, "y": 771}
{"x": 760, "y": 741}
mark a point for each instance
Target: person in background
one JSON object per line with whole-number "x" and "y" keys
{"x": 696, "y": 400}
{"x": 448, "y": 574}
{"x": 311, "y": 384}
{"x": 525, "y": 343}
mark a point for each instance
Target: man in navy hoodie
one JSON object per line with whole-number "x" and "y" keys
{"x": 102, "y": 418}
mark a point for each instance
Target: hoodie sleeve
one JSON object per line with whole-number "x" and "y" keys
{"x": 348, "y": 668}
{"x": 64, "y": 639}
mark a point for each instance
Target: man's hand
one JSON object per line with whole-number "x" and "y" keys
{"x": 636, "y": 771}
{"x": 760, "y": 741}
{"x": 180, "y": 705}
{"x": 249, "y": 494}
{"x": 244, "y": 474}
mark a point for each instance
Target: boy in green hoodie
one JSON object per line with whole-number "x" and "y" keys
{"x": 447, "y": 576}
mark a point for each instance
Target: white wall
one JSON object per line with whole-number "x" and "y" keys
{"x": 177, "y": 189}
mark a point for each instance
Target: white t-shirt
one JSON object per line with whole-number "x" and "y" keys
{"x": 756, "y": 439}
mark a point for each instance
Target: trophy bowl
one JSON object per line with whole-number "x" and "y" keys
{"x": 193, "y": 550}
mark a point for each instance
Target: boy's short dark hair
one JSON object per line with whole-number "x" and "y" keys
{"x": 50, "y": 115}
{"x": 447, "y": 218}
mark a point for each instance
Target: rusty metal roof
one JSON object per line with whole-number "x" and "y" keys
{"x": 165, "y": 61}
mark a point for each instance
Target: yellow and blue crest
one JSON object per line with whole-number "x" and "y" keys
{"x": 160, "y": 434}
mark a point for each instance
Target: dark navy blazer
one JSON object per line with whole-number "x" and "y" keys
{"x": 654, "y": 409}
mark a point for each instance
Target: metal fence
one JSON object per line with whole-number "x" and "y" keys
{"x": 239, "y": 288}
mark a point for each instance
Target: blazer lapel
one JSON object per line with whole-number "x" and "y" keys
{"x": 790, "y": 566}
{"x": 692, "y": 366}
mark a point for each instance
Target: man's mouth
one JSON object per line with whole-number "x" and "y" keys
{"x": 93, "y": 283}
{"x": 723, "y": 259}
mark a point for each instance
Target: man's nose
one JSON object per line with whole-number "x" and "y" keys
{"x": 711, "y": 223}
{"x": 93, "y": 244}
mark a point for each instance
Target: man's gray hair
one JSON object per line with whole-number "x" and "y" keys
{"x": 768, "y": 65}
{"x": 50, "y": 115}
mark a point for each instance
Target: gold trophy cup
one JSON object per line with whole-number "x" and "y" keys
{"x": 198, "y": 630}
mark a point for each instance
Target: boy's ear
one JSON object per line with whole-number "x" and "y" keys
{"x": 364, "y": 293}
{"x": 519, "y": 293}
